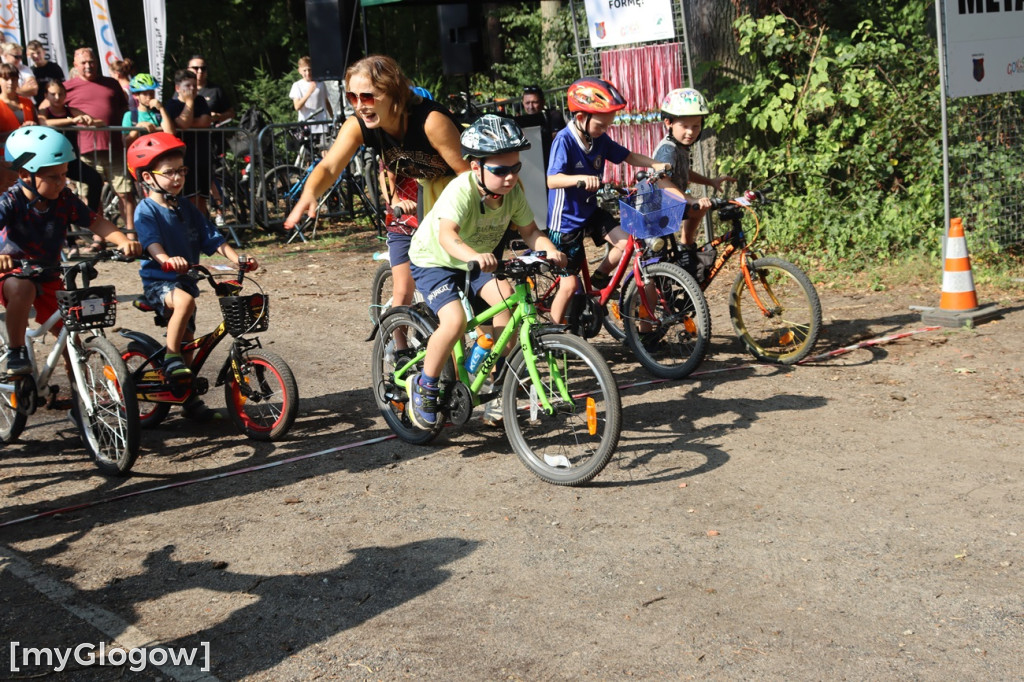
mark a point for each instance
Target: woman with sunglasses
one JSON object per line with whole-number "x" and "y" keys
{"x": 418, "y": 142}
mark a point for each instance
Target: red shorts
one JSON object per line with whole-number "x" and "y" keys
{"x": 46, "y": 298}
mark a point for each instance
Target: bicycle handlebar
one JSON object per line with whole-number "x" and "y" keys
{"x": 29, "y": 269}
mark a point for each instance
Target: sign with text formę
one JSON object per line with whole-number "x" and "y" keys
{"x": 618, "y": 22}
{"x": 984, "y": 46}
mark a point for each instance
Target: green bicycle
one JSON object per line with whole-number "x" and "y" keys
{"x": 560, "y": 405}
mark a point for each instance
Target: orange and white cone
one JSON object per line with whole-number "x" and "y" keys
{"x": 957, "y": 280}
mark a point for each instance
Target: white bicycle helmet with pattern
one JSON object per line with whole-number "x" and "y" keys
{"x": 491, "y": 135}
{"x": 684, "y": 102}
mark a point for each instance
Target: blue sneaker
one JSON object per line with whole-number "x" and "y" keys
{"x": 422, "y": 405}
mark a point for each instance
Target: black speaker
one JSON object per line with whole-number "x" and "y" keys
{"x": 460, "y": 38}
{"x": 328, "y": 24}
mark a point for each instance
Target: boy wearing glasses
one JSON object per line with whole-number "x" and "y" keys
{"x": 174, "y": 234}
{"x": 465, "y": 225}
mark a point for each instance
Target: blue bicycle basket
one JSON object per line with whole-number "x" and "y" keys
{"x": 652, "y": 213}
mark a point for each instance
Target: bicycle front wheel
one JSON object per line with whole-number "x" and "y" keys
{"x": 273, "y": 198}
{"x": 108, "y": 413}
{"x": 573, "y": 443}
{"x": 400, "y": 337}
{"x": 672, "y": 339}
{"x": 786, "y": 329}
{"x": 12, "y": 421}
{"x": 269, "y": 409}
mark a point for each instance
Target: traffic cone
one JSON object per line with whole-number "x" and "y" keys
{"x": 957, "y": 279}
{"x": 958, "y": 305}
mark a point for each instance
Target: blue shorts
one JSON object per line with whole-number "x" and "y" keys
{"x": 597, "y": 226}
{"x": 441, "y": 286}
{"x": 398, "y": 248}
{"x": 156, "y": 291}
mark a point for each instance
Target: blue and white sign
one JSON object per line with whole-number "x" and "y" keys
{"x": 984, "y": 46}
{"x": 618, "y": 22}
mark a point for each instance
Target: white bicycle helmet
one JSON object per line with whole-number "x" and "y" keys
{"x": 491, "y": 135}
{"x": 684, "y": 102}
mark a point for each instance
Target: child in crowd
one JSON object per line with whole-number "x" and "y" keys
{"x": 578, "y": 155}
{"x": 683, "y": 111}
{"x": 174, "y": 234}
{"x": 150, "y": 116}
{"x": 34, "y": 217}
{"x": 466, "y": 224}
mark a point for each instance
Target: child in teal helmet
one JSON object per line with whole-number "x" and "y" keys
{"x": 34, "y": 217}
{"x": 150, "y": 116}
{"x": 683, "y": 111}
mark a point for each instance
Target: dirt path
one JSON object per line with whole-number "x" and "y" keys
{"x": 857, "y": 518}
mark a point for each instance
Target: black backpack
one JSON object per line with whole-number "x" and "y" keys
{"x": 252, "y": 121}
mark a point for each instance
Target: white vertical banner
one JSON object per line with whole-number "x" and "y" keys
{"x": 106, "y": 43}
{"x": 617, "y": 22}
{"x": 42, "y": 23}
{"x": 10, "y": 21}
{"x": 156, "y": 34}
{"x": 984, "y": 53}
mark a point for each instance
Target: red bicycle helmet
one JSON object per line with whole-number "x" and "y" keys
{"x": 145, "y": 150}
{"x": 595, "y": 96}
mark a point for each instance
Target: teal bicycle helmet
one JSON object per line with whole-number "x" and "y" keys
{"x": 35, "y": 147}
{"x": 143, "y": 82}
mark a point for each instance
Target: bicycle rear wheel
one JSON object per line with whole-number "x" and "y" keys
{"x": 12, "y": 422}
{"x": 573, "y": 444}
{"x": 273, "y": 202}
{"x": 108, "y": 415}
{"x": 785, "y": 332}
{"x": 671, "y": 340}
{"x": 269, "y": 410}
{"x": 400, "y": 337}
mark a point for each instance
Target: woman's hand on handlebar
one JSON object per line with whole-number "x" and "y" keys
{"x": 175, "y": 264}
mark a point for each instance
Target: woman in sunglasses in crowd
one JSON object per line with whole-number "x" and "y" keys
{"x": 418, "y": 142}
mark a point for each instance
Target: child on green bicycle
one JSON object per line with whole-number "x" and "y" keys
{"x": 34, "y": 218}
{"x": 466, "y": 224}
{"x": 578, "y": 155}
{"x": 683, "y": 111}
{"x": 174, "y": 234}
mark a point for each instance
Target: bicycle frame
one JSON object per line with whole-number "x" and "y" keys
{"x": 735, "y": 239}
{"x": 42, "y": 378}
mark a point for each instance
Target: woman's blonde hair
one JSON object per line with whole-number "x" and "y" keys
{"x": 386, "y": 75}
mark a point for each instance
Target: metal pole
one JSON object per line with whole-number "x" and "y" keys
{"x": 939, "y": 32}
{"x": 576, "y": 34}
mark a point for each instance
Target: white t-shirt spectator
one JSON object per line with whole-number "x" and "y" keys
{"x": 25, "y": 72}
{"x": 318, "y": 100}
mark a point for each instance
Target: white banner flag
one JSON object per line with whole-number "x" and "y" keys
{"x": 156, "y": 33}
{"x": 106, "y": 42}
{"x": 42, "y": 23}
{"x": 983, "y": 47}
{"x": 10, "y": 22}
{"x": 616, "y": 22}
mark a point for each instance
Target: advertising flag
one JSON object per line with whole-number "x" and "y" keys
{"x": 617, "y": 22}
{"x": 106, "y": 43}
{"x": 10, "y": 21}
{"x": 42, "y": 23}
{"x": 156, "y": 33}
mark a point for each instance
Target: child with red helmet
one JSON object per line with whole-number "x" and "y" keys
{"x": 578, "y": 155}
{"x": 174, "y": 234}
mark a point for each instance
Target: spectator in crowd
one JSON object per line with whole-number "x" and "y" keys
{"x": 102, "y": 98}
{"x": 535, "y": 113}
{"x": 12, "y": 54}
{"x": 121, "y": 70}
{"x": 150, "y": 116}
{"x": 188, "y": 112}
{"x": 55, "y": 113}
{"x": 221, "y": 108}
{"x": 15, "y": 111}
{"x": 310, "y": 97}
{"x": 43, "y": 69}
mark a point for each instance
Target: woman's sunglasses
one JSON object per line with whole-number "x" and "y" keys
{"x": 504, "y": 171}
{"x": 367, "y": 98}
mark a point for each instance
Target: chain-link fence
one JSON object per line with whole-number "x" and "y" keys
{"x": 986, "y": 167}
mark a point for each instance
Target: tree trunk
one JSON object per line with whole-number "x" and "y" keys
{"x": 549, "y": 14}
{"x": 493, "y": 41}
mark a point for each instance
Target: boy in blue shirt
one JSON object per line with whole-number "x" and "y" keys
{"x": 466, "y": 224}
{"x": 174, "y": 234}
{"x": 578, "y": 155}
{"x": 34, "y": 217}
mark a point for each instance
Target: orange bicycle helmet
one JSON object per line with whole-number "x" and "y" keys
{"x": 595, "y": 96}
{"x": 145, "y": 150}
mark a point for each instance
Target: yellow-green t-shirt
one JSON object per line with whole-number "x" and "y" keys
{"x": 460, "y": 203}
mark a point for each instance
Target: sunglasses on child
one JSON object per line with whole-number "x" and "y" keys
{"x": 504, "y": 171}
{"x": 172, "y": 173}
{"x": 367, "y": 98}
